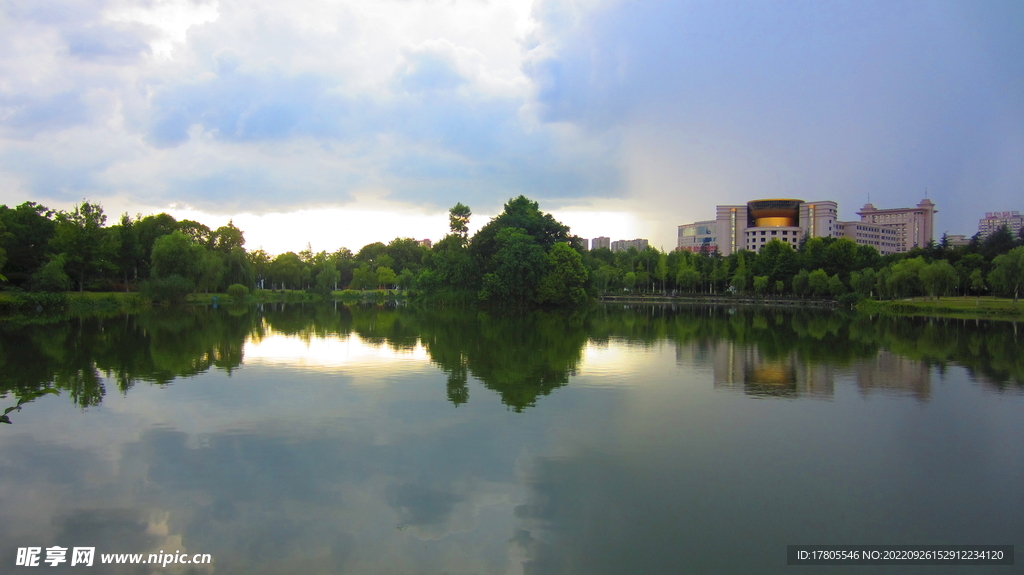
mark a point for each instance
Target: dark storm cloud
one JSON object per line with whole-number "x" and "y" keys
{"x": 825, "y": 100}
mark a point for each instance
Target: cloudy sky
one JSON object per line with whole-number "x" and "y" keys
{"x": 346, "y": 122}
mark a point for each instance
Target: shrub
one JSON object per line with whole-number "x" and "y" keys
{"x": 237, "y": 292}
{"x": 173, "y": 288}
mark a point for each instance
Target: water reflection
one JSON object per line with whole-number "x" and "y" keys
{"x": 294, "y": 439}
{"x": 520, "y": 358}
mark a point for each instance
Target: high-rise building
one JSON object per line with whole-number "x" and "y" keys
{"x": 624, "y": 245}
{"x": 698, "y": 236}
{"x": 914, "y": 227}
{"x": 601, "y": 242}
{"x": 995, "y": 220}
{"x": 752, "y": 226}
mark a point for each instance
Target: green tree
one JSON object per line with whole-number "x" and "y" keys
{"x": 802, "y": 283}
{"x": 51, "y": 277}
{"x": 518, "y": 266}
{"x": 327, "y": 277}
{"x": 629, "y": 280}
{"x": 238, "y": 268}
{"x": 129, "y": 254}
{"x": 1008, "y": 272}
{"x": 148, "y": 229}
{"x": 688, "y": 278}
{"x": 197, "y": 232}
{"x": 978, "y": 282}
{"x": 176, "y": 254}
{"x": 522, "y": 214}
{"x": 25, "y": 239}
{"x": 938, "y": 278}
{"x": 905, "y": 277}
{"x": 661, "y": 270}
{"x": 863, "y": 282}
{"x": 458, "y": 220}
{"x": 836, "y": 287}
{"x": 85, "y": 243}
{"x": 260, "y": 262}
{"x": 760, "y": 284}
{"x": 386, "y": 277}
{"x": 363, "y": 277}
{"x": 226, "y": 238}
{"x": 563, "y": 284}
{"x": 212, "y": 271}
{"x": 817, "y": 281}
{"x": 286, "y": 270}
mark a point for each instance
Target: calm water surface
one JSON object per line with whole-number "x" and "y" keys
{"x": 296, "y": 439}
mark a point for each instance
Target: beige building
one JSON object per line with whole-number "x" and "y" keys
{"x": 624, "y": 245}
{"x": 751, "y": 226}
{"x": 995, "y": 220}
{"x": 885, "y": 239}
{"x": 914, "y": 227}
{"x": 601, "y": 242}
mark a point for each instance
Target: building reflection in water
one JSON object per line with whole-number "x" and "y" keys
{"x": 894, "y": 374}
{"x": 744, "y": 368}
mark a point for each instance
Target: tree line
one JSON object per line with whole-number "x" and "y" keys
{"x": 522, "y": 257}
{"x": 821, "y": 267}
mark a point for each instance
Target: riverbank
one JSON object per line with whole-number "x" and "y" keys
{"x": 953, "y": 307}
{"x": 722, "y": 300}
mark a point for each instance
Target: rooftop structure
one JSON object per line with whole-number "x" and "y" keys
{"x": 995, "y": 220}
{"x": 914, "y": 226}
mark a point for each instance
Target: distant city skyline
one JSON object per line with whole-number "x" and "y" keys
{"x": 344, "y": 123}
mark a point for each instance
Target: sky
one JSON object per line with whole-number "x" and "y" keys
{"x": 345, "y": 122}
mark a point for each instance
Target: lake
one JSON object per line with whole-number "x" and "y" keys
{"x": 621, "y": 439}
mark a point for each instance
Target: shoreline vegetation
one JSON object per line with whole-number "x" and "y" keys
{"x": 53, "y": 306}
{"x": 56, "y": 261}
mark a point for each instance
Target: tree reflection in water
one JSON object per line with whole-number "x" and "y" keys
{"x": 520, "y": 357}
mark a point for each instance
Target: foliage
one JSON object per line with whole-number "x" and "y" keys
{"x": 176, "y": 255}
{"x": 51, "y": 277}
{"x": 170, "y": 289}
{"x": 88, "y": 247}
{"x": 517, "y": 265}
{"x": 564, "y": 281}
{"x": 1008, "y": 272}
{"x": 237, "y": 292}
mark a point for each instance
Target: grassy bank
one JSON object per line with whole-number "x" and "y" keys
{"x": 954, "y": 307}
{"x": 71, "y": 302}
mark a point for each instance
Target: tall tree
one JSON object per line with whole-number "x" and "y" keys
{"x": 525, "y": 215}
{"x": 27, "y": 231}
{"x": 458, "y": 219}
{"x": 86, "y": 244}
{"x": 225, "y": 238}
{"x": 1008, "y": 272}
{"x": 175, "y": 254}
{"x": 563, "y": 284}
{"x": 517, "y": 267}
